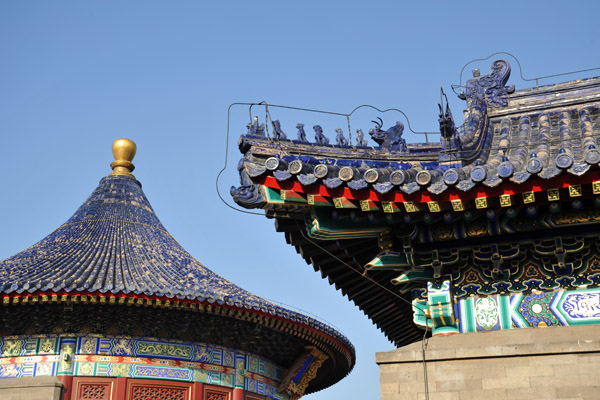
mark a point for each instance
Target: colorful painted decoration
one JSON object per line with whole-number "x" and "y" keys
{"x": 493, "y": 220}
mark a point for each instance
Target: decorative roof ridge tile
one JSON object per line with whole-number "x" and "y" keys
{"x": 282, "y": 175}
{"x": 333, "y": 183}
{"x": 410, "y": 187}
{"x": 254, "y": 170}
{"x": 554, "y": 87}
{"x": 383, "y": 188}
{"x": 357, "y": 184}
{"x": 427, "y": 152}
{"x": 520, "y": 177}
{"x": 549, "y": 172}
{"x": 437, "y": 188}
{"x": 466, "y": 185}
{"x": 579, "y": 169}
{"x": 307, "y": 179}
{"x": 492, "y": 181}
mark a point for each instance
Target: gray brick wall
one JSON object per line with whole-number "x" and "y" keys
{"x": 535, "y": 363}
{"x": 41, "y": 388}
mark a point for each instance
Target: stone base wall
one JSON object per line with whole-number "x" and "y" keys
{"x": 42, "y": 388}
{"x": 534, "y": 363}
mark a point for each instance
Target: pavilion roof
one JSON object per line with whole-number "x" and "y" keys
{"x": 115, "y": 247}
{"x": 517, "y": 140}
{"x": 516, "y": 150}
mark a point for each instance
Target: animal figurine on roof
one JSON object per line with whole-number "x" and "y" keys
{"x": 255, "y": 129}
{"x": 301, "y": 133}
{"x": 319, "y": 137}
{"x": 340, "y": 139}
{"x": 447, "y": 125}
{"x": 360, "y": 138}
{"x": 277, "y": 131}
{"x": 248, "y": 194}
{"x": 450, "y": 137}
{"x": 390, "y": 139}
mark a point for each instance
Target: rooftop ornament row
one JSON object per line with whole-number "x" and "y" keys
{"x": 390, "y": 139}
{"x": 553, "y": 135}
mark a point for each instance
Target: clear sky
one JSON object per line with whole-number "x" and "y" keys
{"x": 75, "y": 75}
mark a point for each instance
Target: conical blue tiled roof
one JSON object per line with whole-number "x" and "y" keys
{"x": 114, "y": 250}
{"x": 116, "y": 243}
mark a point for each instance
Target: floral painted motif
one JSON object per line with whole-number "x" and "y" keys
{"x": 95, "y": 355}
{"x": 586, "y": 305}
{"x": 86, "y": 369}
{"x": 47, "y": 346}
{"x": 486, "y": 311}
{"x": 535, "y": 308}
{"x": 164, "y": 349}
{"x": 12, "y": 348}
{"x": 88, "y": 345}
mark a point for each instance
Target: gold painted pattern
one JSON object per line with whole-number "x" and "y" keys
{"x": 163, "y": 349}
{"x": 433, "y": 206}
{"x": 409, "y": 206}
{"x": 575, "y": 190}
{"x": 596, "y": 187}
{"x": 481, "y": 202}
{"x": 457, "y": 205}
{"x": 553, "y": 194}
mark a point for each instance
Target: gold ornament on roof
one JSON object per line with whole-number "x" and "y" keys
{"x": 123, "y": 151}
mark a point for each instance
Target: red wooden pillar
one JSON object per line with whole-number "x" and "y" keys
{"x": 197, "y": 391}
{"x": 67, "y": 381}
{"x": 238, "y": 394}
{"x": 120, "y": 388}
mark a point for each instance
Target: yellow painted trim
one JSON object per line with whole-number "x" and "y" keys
{"x": 554, "y": 194}
{"x": 481, "y": 202}
{"x": 433, "y": 206}
{"x": 457, "y": 205}
{"x": 528, "y": 197}
{"x": 575, "y": 190}
{"x": 505, "y": 200}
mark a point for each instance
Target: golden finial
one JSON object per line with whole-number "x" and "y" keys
{"x": 123, "y": 151}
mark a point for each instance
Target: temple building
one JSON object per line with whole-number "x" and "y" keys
{"x": 109, "y": 306}
{"x": 486, "y": 240}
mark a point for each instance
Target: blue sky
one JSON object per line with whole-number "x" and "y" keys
{"x": 76, "y": 75}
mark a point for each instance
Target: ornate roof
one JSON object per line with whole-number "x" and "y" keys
{"x": 115, "y": 243}
{"x": 115, "y": 250}
{"x": 524, "y": 161}
{"x": 508, "y": 137}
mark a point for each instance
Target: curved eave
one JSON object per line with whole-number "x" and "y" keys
{"x": 338, "y": 348}
{"x": 533, "y": 147}
{"x": 303, "y": 325}
{"x": 299, "y": 195}
{"x": 373, "y": 293}
{"x": 475, "y": 181}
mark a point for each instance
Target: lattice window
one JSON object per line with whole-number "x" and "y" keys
{"x": 158, "y": 393}
{"x": 94, "y": 391}
{"x": 210, "y": 395}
